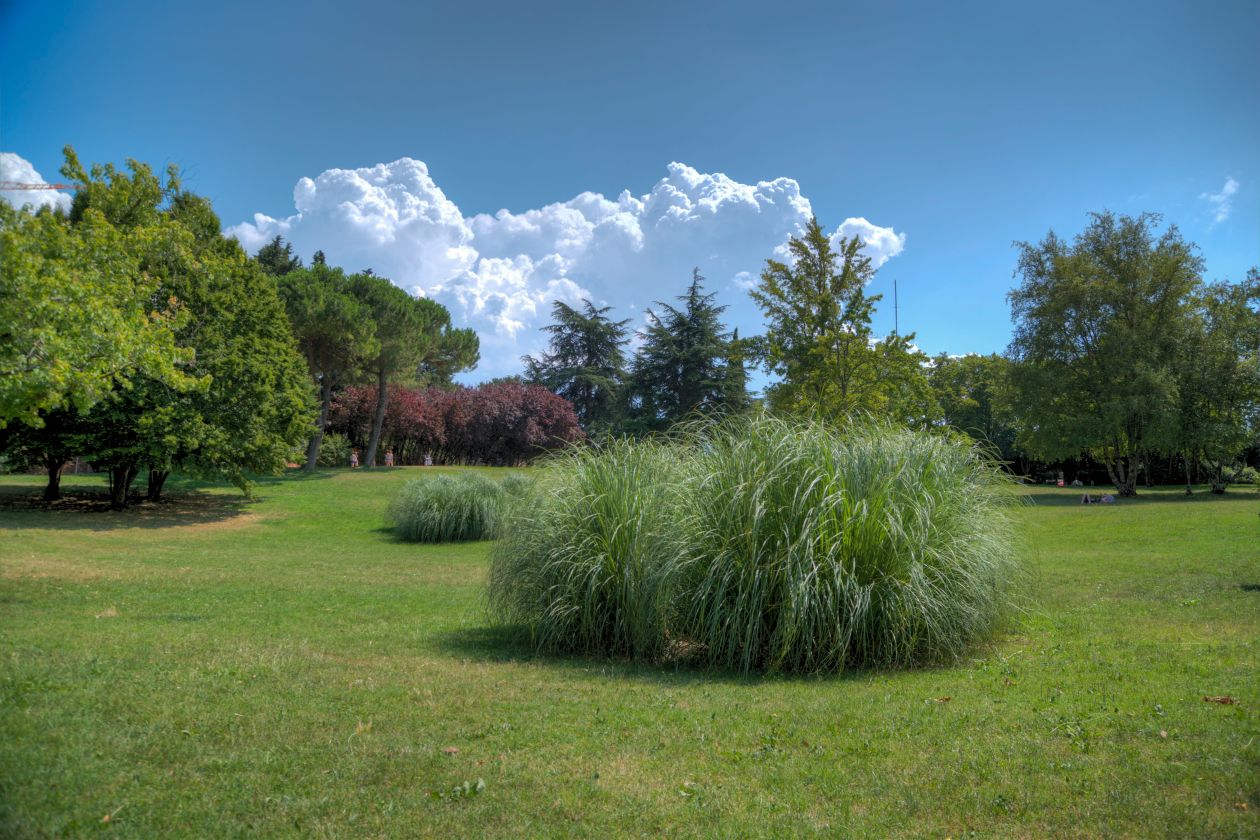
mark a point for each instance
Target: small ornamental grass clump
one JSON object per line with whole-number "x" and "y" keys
{"x": 446, "y": 508}
{"x": 764, "y": 545}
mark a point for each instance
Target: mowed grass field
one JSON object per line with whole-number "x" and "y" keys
{"x": 212, "y": 667}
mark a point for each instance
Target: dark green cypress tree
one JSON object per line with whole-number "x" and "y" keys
{"x": 689, "y": 363}
{"x": 585, "y": 363}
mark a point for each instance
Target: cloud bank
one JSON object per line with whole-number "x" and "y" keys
{"x": 500, "y": 273}
{"x": 1222, "y": 202}
{"x": 16, "y": 168}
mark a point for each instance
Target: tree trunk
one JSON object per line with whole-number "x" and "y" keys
{"x": 378, "y": 419}
{"x": 1189, "y": 489}
{"x": 157, "y": 478}
{"x": 325, "y": 401}
{"x": 120, "y": 478}
{"x": 52, "y": 490}
{"x": 1123, "y": 475}
{"x": 1218, "y": 479}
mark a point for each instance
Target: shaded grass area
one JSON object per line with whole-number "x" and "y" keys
{"x": 287, "y": 668}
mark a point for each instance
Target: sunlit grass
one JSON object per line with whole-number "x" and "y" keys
{"x": 289, "y": 668}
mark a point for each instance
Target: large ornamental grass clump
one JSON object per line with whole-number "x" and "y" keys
{"x": 817, "y": 550}
{"x": 587, "y": 558}
{"x": 447, "y": 508}
{"x": 765, "y": 545}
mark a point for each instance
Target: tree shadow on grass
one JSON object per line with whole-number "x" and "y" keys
{"x": 1071, "y": 497}
{"x": 295, "y": 474}
{"x": 22, "y": 507}
{"x": 510, "y": 645}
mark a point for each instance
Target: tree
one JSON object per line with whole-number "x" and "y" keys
{"x": 82, "y": 314}
{"x": 50, "y": 444}
{"x": 1219, "y": 377}
{"x": 277, "y": 257}
{"x": 78, "y": 316}
{"x": 414, "y": 341}
{"x": 335, "y": 334}
{"x": 735, "y": 382}
{"x": 585, "y": 363}
{"x": 819, "y": 339}
{"x": 972, "y": 392}
{"x": 247, "y": 402}
{"x": 686, "y": 363}
{"x": 1098, "y": 323}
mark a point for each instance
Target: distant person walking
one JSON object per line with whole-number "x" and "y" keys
{"x": 389, "y": 457}
{"x": 354, "y": 458}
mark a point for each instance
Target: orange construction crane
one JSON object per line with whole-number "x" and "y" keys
{"x": 18, "y": 185}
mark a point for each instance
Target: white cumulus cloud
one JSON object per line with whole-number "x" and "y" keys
{"x": 881, "y": 244}
{"x": 391, "y": 218}
{"x": 501, "y": 272}
{"x": 16, "y": 168}
{"x": 1222, "y": 202}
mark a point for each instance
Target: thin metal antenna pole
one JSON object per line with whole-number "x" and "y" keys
{"x": 896, "y": 314}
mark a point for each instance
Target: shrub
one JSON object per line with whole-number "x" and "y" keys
{"x": 585, "y": 561}
{"x": 447, "y": 509}
{"x": 1240, "y": 475}
{"x": 334, "y": 451}
{"x": 762, "y": 544}
{"x": 499, "y": 423}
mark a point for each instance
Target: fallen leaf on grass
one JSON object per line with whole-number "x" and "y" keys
{"x": 942, "y": 699}
{"x": 1224, "y": 699}
{"x": 361, "y": 728}
{"x": 1163, "y": 733}
{"x": 111, "y": 814}
{"x": 112, "y": 612}
{"x": 1241, "y": 806}
{"x": 451, "y": 750}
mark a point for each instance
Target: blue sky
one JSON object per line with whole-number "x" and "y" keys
{"x": 951, "y": 129}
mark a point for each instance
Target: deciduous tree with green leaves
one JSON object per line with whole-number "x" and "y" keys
{"x": 819, "y": 340}
{"x": 1098, "y": 323}
{"x": 1219, "y": 378}
{"x": 248, "y": 402}
{"x": 973, "y": 394}
{"x": 78, "y": 315}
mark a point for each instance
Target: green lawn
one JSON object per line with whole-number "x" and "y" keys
{"x": 212, "y": 667}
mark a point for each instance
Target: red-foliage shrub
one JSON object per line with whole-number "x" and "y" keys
{"x": 504, "y": 423}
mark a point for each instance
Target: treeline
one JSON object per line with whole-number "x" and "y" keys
{"x": 1124, "y": 360}
{"x": 499, "y": 423}
{"x": 134, "y": 335}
